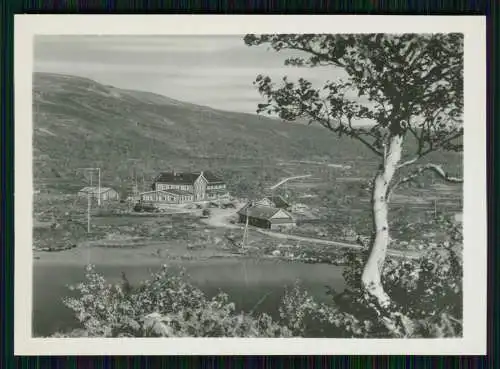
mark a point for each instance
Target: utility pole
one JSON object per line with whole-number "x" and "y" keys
{"x": 89, "y": 202}
{"x": 98, "y": 182}
{"x": 251, "y": 203}
{"x": 90, "y": 193}
{"x": 135, "y": 185}
{"x": 245, "y": 232}
{"x": 99, "y": 187}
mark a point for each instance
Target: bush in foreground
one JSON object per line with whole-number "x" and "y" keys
{"x": 164, "y": 306}
{"x": 427, "y": 292}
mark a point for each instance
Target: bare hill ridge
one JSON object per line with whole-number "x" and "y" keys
{"x": 80, "y": 123}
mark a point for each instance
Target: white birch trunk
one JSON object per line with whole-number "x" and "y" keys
{"x": 371, "y": 277}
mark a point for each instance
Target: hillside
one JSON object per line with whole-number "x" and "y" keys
{"x": 80, "y": 123}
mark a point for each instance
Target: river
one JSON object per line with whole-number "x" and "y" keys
{"x": 245, "y": 280}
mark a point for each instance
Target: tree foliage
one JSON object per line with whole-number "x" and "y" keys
{"x": 390, "y": 87}
{"x": 399, "y": 84}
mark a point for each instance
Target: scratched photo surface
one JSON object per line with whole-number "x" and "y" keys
{"x": 273, "y": 185}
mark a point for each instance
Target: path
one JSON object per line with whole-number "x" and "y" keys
{"x": 288, "y": 179}
{"x": 395, "y": 253}
{"x": 219, "y": 218}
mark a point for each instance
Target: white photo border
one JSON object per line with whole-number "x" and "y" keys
{"x": 473, "y": 341}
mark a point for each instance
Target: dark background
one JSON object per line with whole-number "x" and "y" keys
{"x": 379, "y": 7}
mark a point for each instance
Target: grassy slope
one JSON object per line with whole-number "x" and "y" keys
{"x": 80, "y": 123}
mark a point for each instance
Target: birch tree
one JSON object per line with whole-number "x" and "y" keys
{"x": 406, "y": 86}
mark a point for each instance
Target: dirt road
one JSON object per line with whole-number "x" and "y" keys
{"x": 220, "y": 218}
{"x": 395, "y": 253}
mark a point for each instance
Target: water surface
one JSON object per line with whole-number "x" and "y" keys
{"x": 246, "y": 281}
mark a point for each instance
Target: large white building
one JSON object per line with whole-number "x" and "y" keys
{"x": 186, "y": 187}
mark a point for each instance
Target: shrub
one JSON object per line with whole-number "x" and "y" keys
{"x": 166, "y": 305}
{"x": 426, "y": 293}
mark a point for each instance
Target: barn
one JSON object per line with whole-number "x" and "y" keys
{"x": 266, "y": 217}
{"x": 107, "y": 193}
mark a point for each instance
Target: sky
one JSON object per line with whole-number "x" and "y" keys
{"x": 215, "y": 71}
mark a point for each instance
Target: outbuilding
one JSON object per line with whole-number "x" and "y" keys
{"x": 106, "y": 193}
{"x": 274, "y": 201}
{"x": 265, "y": 217}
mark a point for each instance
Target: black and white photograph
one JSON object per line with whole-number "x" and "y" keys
{"x": 248, "y": 183}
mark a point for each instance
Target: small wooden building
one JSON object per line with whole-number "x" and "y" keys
{"x": 274, "y": 201}
{"x": 265, "y": 217}
{"x": 107, "y": 193}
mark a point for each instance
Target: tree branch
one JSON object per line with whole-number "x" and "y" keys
{"x": 429, "y": 150}
{"x": 326, "y": 122}
{"x": 440, "y": 171}
{"x": 432, "y": 167}
{"x": 409, "y": 162}
{"x": 321, "y": 57}
{"x": 366, "y": 143}
{"x": 357, "y": 135}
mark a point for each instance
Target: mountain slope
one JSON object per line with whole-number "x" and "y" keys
{"x": 81, "y": 123}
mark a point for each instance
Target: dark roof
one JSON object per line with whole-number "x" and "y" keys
{"x": 278, "y": 201}
{"x": 177, "y": 178}
{"x": 212, "y": 178}
{"x": 95, "y": 190}
{"x": 186, "y": 177}
{"x": 170, "y": 191}
{"x": 259, "y": 212}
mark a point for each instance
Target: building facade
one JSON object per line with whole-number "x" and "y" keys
{"x": 265, "y": 217}
{"x": 179, "y": 188}
{"x": 167, "y": 196}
